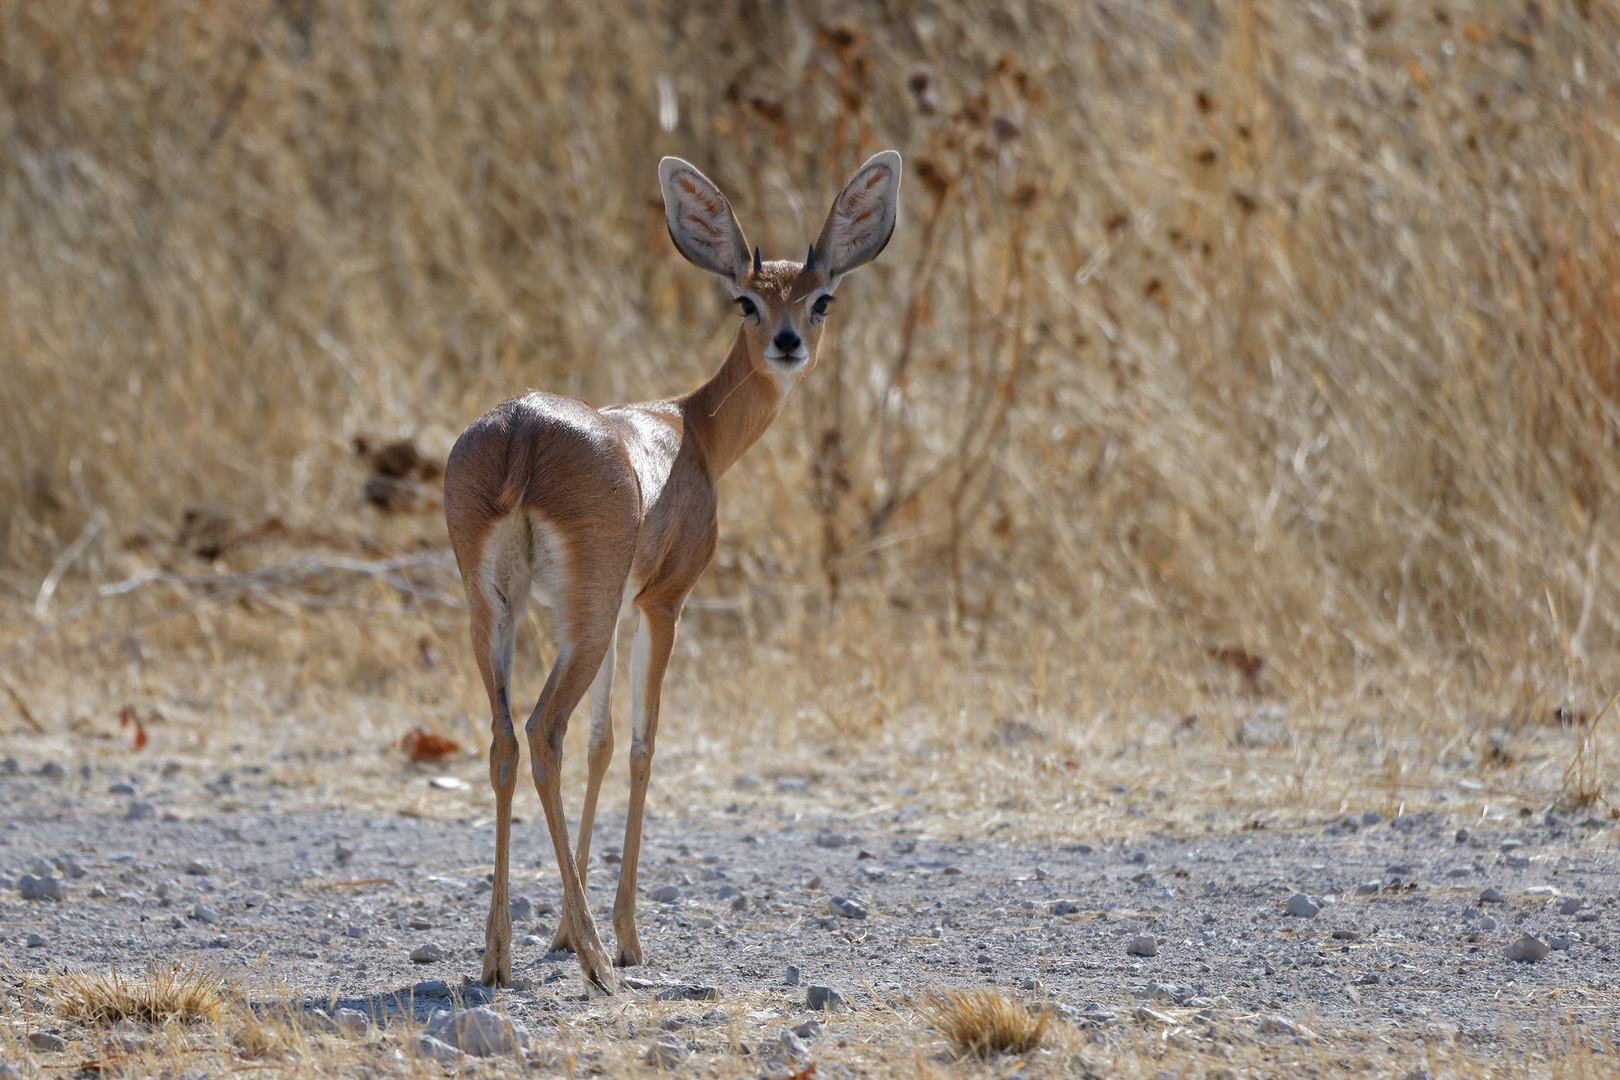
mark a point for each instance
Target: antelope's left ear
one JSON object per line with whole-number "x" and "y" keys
{"x": 862, "y": 218}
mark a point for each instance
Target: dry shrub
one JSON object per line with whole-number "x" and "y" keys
{"x": 166, "y": 993}
{"x": 1281, "y": 330}
{"x": 983, "y": 1022}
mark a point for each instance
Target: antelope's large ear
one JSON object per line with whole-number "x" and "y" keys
{"x": 862, "y": 217}
{"x": 701, "y": 222}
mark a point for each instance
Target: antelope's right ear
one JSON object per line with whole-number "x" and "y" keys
{"x": 701, "y": 222}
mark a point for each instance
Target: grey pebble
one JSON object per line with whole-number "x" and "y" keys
{"x": 40, "y": 888}
{"x": 431, "y": 988}
{"x": 1527, "y": 950}
{"x": 790, "y": 784}
{"x": 427, "y": 953}
{"x": 351, "y": 1021}
{"x": 1371, "y": 817}
{"x": 1281, "y": 1025}
{"x": 793, "y": 1045}
{"x": 1493, "y": 896}
{"x": 1560, "y": 944}
{"x": 825, "y": 998}
{"x": 1143, "y": 945}
{"x": 1570, "y": 906}
{"x": 53, "y": 770}
{"x": 1302, "y": 906}
{"x": 205, "y": 914}
{"x": 482, "y": 1031}
{"x": 44, "y": 1040}
{"x": 199, "y": 866}
{"x": 138, "y": 810}
{"x": 791, "y": 976}
{"x": 689, "y": 992}
{"x": 1063, "y": 907}
{"x": 830, "y": 840}
{"x": 1488, "y": 923}
{"x": 8, "y": 1071}
{"x": 522, "y": 909}
{"x": 665, "y": 894}
{"x": 847, "y": 907}
{"x": 667, "y": 1051}
{"x": 809, "y": 1031}
{"x": 36, "y": 940}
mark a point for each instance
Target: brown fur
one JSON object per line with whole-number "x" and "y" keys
{"x": 627, "y": 494}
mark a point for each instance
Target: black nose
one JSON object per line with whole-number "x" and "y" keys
{"x": 786, "y": 341}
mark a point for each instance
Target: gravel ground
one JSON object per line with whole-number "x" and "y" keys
{"x": 1403, "y": 928}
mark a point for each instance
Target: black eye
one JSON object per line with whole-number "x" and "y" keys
{"x": 820, "y": 306}
{"x": 748, "y": 308}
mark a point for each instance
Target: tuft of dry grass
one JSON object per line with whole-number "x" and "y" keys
{"x": 166, "y": 993}
{"x": 983, "y": 1022}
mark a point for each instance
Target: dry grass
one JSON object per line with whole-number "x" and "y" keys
{"x": 164, "y": 994}
{"x": 984, "y": 1021}
{"x": 1258, "y": 356}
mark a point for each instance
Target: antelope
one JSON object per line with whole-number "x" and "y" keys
{"x": 613, "y": 513}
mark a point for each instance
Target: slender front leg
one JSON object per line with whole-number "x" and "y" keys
{"x": 649, "y": 658}
{"x": 575, "y": 668}
{"x": 601, "y": 752}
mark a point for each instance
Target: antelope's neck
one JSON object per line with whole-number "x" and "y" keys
{"x": 731, "y": 411}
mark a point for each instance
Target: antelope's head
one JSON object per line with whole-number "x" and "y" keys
{"x": 783, "y": 304}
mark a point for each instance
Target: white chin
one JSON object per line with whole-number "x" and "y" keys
{"x": 786, "y": 363}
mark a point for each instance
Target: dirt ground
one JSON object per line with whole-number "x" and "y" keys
{"x": 1406, "y": 957}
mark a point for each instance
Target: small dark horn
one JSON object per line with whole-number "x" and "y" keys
{"x": 810, "y": 260}
{"x": 758, "y": 265}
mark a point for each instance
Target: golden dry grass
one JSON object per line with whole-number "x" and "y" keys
{"x": 165, "y": 993}
{"x": 1227, "y": 357}
{"x": 985, "y": 1021}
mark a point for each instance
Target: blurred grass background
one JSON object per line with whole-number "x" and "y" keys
{"x": 1225, "y": 352}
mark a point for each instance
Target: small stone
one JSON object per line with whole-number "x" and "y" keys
{"x": 1154, "y": 1016}
{"x": 790, "y": 785}
{"x": 53, "y": 770}
{"x": 351, "y": 1021}
{"x": 429, "y": 1047}
{"x": 825, "y": 998}
{"x": 44, "y": 1040}
{"x": 847, "y": 907}
{"x": 431, "y": 988}
{"x": 481, "y": 1032}
{"x": 1527, "y": 950}
{"x": 1463, "y": 834}
{"x": 794, "y": 1046}
{"x": 1302, "y": 906}
{"x": 1487, "y": 924}
{"x": 1542, "y": 891}
{"x": 727, "y": 892}
{"x": 1560, "y": 944}
{"x": 1258, "y": 731}
{"x": 139, "y": 810}
{"x": 1143, "y": 945}
{"x": 9, "y": 767}
{"x": 1281, "y": 1025}
{"x": 714, "y": 1016}
{"x": 739, "y": 903}
{"x": 1587, "y": 916}
{"x": 427, "y": 953}
{"x": 744, "y": 782}
{"x": 98, "y": 892}
{"x": 205, "y": 914}
{"x": 36, "y": 941}
{"x": 689, "y": 992}
{"x": 667, "y": 1051}
{"x": 199, "y": 867}
{"x": 40, "y": 888}
{"x": 1368, "y": 888}
{"x": 1570, "y": 906}
{"x": 1063, "y": 907}
{"x": 8, "y": 1071}
{"x": 951, "y": 871}
{"x": 1042, "y": 874}
{"x": 419, "y": 922}
{"x": 522, "y": 909}
{"x": 72, "y": 869}
{"x": 809, "y": 1031}
{"x": 477, "y": 994}
{"x": 830, "y": 840}
{"x": 1371, "y": 817}
{"x": 665, "y": 894}
{"x": 791, "y": 976}
{"x": 1493, "y": 896}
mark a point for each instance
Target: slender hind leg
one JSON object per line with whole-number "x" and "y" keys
{"x": 649, "y": 657}
{"x": 493, "y": 623}
{"x": 601, "y": 752}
